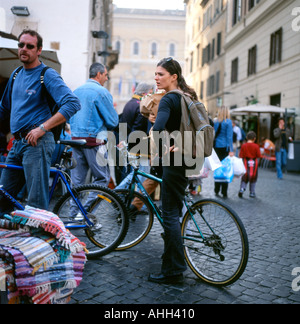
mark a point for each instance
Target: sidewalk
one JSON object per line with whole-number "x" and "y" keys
{"x": 272, "y": 222}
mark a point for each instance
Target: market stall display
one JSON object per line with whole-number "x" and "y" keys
{"x": 40, "y": 261}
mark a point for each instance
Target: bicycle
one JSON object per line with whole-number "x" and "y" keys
{"x": 95, "y": 213}
{"x": 215, "y": 241}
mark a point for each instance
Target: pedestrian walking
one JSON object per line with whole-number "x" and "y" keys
{"x": 31, "y": 122}
{"x": 223, "y": 143}
{"x": 134, "y": 121}
{"x": 168, "y": 76}
{"x": 96, "y": 117}
{"x": 250, "y": 153}
{"x": 282, "y": 138}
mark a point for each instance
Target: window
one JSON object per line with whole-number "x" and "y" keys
{"x": 234, "y": 70}
{"x": 172, "y": 50}
{"x": 118, "y": 46}
{"x": 198, "y": 55}
{"x": 191, "y": 62}
{"x": 218, "y": 82}
{"x": 211, "y": 86}
{"x": 213, "y": 49}
{"x": 153, "y": 49}
{"x": 201, "y": 89}
{"x": 251, "y": 4}
{"x": 206, "y": 54}
{"x": 136, "y": 48}
{"x": 237, "y": 11}
{"x": 276, "y": 47}
{"x": 252, "y": 53}
{"x": 219, "y": 43}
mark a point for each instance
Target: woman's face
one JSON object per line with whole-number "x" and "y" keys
{"x": 164, "y": 80}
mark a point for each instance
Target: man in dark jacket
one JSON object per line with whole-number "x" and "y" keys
{"x": 132, "y": 117}
{"x": 282, "y": 138}
{"x": 131, "y": 114}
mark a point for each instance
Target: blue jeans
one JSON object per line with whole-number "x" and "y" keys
{"x": 281, "y": 161}
{"x": 36, "y": 162}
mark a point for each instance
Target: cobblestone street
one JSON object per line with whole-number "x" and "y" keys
{"x": 272, "y": 222}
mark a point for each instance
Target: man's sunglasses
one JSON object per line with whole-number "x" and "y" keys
{"x": 29, "y": 46}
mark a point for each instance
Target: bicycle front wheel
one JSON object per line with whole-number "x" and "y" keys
{"x": 140, "y": 222}
{"x": 215, "y": 242}
{"x": 104, "y": 209}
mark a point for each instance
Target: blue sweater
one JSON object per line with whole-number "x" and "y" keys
{"x": 27, "y": 106}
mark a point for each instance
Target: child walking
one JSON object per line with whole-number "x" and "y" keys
{"x": 250, "y": 153}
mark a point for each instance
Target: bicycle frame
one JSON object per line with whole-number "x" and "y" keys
{"x": 57, "y": 174}
{"x": 137, "y": 181}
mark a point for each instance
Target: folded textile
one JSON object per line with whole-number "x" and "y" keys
{"x": 42, "y": 262}
{"x": 50, "y": 222}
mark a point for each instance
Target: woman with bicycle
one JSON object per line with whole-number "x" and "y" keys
{"x": 168, "y": 77}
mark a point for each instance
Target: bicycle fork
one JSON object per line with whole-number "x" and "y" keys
{"x": 6, "y": 195}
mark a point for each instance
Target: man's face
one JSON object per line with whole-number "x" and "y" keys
{"x": 281, "y": 124}
{"x": 28, "y": 51}
{"x": 103, "y": 77}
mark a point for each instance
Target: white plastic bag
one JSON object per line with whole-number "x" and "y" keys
{"x": 212, "y": 162}
{"x": 291, "y": 154}
{"x": 238, "y": 167}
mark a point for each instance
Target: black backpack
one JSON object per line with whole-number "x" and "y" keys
{"x": 51, "y": 102}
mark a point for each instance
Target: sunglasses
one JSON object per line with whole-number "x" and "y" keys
{"x": 168, "y": 59}
{"x": 29, "y": 46}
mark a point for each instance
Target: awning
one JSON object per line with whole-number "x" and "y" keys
{"x": 257, "y": 109}
{"x": 9, "y": 59}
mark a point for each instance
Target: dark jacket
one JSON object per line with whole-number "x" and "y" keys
{"x": 132, "y": 116}
{"x": 278, "y": 133}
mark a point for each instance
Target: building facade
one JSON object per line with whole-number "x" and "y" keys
{"x": 205, "y": 55}
{"x": 78, "y": 30}
{"x": 242, "y": 52}
{"x": 262, "y": 60}
{"x": 143, "y": 37}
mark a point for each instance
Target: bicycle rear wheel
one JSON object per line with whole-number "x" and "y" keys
{"x": 219, "y": 255}
{"x": 140, "y": 222}
{"x": 104, "y": 209}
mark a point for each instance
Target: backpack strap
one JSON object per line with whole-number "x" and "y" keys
{"x": 50, "y": 100}
{"x": 16, "y": 73}
{"x": 53, "y": 106}
{"x": 13, "y": 80}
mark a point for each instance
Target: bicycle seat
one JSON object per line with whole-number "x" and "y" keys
{"x": 77, "y": 143}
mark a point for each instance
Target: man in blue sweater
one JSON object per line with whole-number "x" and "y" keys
{"x": 96, "y": 117}
{"x": 31, "y": 122}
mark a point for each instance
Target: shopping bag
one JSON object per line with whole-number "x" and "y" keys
{"x": 225, "y": 172}
{"x": 212, "y": 162}
{"x": 291, "y": 154}
{"x": 238, "y": 167}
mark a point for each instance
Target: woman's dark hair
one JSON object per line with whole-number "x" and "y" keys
{"x": 173, "y": 67}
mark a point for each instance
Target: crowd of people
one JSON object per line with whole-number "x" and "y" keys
{"x": 91, "y": 114}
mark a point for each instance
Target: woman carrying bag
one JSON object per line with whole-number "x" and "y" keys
{"x": 223, "y": 144}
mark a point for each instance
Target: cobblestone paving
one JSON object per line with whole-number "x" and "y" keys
{"x": 272, "y": 222}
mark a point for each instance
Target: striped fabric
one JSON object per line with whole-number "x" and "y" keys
{"x": 42, "y": 262}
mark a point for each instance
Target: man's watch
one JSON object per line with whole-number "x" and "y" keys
{"x": 42, "y": 127}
